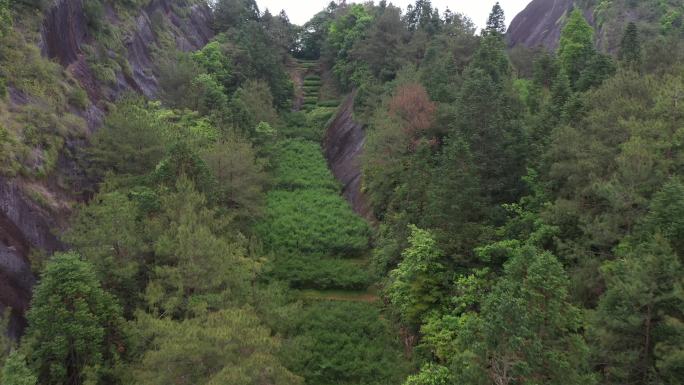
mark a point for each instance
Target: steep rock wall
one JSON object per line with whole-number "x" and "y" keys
{"x": 25, "y": 226}
{"x": 343, "y": 147}
{"x": 541, "y": 22}
{"x": 65, "y": 33}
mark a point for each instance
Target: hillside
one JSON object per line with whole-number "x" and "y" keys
{"x": 200, "y": 192}
{"x": 541, "y": 22}
{"x": 61, "y": 70}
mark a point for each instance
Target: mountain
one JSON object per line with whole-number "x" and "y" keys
{"x": 60, "y": 68}
{"x": 540, "y": 23}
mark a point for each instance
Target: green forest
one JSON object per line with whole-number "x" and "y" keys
{"x": 527, "y": 204}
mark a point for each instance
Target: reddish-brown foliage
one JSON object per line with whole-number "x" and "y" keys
{"x": 412, "y": 104}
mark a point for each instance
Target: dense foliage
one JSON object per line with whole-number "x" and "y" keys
{"x": 527, "y": 204}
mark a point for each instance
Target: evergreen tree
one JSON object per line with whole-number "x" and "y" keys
{"x": 234, "y": 13}
{"x": 16, "y": 372}
{"x": 74, "y": 333}
{"x": 576, "y": 47}
{"x": 638, "y": 323}
{"x": 240, "y": 177}
{"x": 382, "y": 49}
{"x": 131, "y": 141}
{"x": 487, "y": 122}
{"x": 455, "y": 204}
{"x": 630, "y": 47}
{"x": 108, "y": 233}
{"x": 199, "y": 263}
{"x": 527, "y": 331}
{"x": 417, "y": 283}
{"x": 496, "y": 23}
{"x": 225, "y": 347}
{"x": 667, "y": 214}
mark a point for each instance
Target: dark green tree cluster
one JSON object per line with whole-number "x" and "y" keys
{"x": 533, "y": 198}
{"x": 528, "y": 208}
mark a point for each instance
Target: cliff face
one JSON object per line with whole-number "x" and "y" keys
{"x": 343, "y": 146}
{"x": 26, "y": 226}
{"x": 541, "y": 22}
{"x": 66, "y": 33}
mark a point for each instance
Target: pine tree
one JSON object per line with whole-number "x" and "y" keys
{"x": 131, "y": 141}
{"x": 496, "y": 23}
{"x": 489, "y": 126}
{"x": 108, "y": 233}
{"x": 637, "y": 324}
{"x": 527, "y": 330}
{"x": 455, "y": 203}
{"x": 198, "y": 266}
{"x": 225, "y": 347}
{"x": 576, "y": 47}
{"x": 630, "y": 47}
{"x": 74, "y": 325}
{"x": 16, "y": 372}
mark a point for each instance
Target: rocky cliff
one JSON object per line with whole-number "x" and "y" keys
{"x": 343, "y": 146}
{"x": 66, "y": 34}
{"x": 541, "y": 22}
{"x": 28, "y": 227}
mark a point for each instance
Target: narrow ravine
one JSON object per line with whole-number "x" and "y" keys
{"x": 321, "y": 248}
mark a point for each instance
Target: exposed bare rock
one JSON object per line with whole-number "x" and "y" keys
{"x": 343, "y": 146}
{"x": 540, "y": 23}
{"x": 65, "y": 33}
{"x": 65, "y": 29}
{"x": 24, "y": 225}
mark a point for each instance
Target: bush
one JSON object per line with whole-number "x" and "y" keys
{"x": 319, "y": 117}
{"x": 78, "y": 98}
{"x": 94, "y": 13}
{"x": 3, "y": 87}
{"x": 315, "y": 272}
{"x": 346, "y": 343}
{"x": 300, "y": 165}
{"x": 312, "y": 221}
{"x": 329, "y": 103}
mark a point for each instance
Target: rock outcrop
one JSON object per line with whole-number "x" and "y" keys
{"x": 25, "y": 226}
{"x": 343, "y": 147}
{"x": 541, "y": 22}
{"x": 65, "y": 33}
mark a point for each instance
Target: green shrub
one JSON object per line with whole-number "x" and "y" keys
{"x": 94, "y": 13}
{"x": 329, "y": 103}
{"x": 346, "y": 343}
{"x": 3, "y": 87}
{"x": 300, "y": 165}
{"x": 78, "y": 98}
{"x": 315, "y": 272}
{"x": 319, "y": 117}
{"x": 312, "y": 221}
